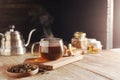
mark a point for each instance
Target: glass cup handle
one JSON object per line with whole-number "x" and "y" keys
{"x": 33, "y": 47}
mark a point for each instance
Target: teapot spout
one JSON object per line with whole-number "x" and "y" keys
{"x": 29, "y": 37}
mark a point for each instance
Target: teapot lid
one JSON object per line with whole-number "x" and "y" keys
{"x": 12, "y": 28}
{"x": 12, "y": 33}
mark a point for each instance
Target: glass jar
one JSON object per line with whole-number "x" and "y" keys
{"x": 94, "y": 46}
{"x": 79, "y": 40}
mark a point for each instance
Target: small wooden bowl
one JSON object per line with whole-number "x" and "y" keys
{"x": 25, "y": 74}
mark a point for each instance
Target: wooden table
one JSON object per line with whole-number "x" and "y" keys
{"x": 102, "y": 66}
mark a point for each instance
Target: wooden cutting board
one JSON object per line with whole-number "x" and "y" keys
{"x": 50, "y": 65}
{"x": 60, "y": 62}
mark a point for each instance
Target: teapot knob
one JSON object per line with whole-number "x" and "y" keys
{"x": 12, "y": 27}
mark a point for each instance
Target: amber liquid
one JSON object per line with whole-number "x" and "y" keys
{"x": 51, "y": 52}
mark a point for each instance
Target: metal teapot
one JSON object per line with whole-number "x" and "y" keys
{"x": 12, "y": 42}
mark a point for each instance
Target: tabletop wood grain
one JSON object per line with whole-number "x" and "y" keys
{"x": 102, "y": 66}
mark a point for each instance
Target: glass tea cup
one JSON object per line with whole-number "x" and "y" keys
{"x": 49, "y": 48}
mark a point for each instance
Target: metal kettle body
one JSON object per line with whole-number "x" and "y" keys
{"x": 12, "y": 42}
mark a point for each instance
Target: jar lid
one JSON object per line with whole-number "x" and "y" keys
{"x": 79, "y": 34}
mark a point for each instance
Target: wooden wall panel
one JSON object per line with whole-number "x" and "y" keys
{"x": 116, "y": 32}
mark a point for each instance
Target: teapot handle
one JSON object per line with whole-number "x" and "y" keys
{"x": 33, "y": 48}
{"x": 1, "y": 34}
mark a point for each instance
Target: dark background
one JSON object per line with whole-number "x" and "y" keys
{"x": 65, "y": 17}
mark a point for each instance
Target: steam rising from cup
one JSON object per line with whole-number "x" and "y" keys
{"x": 46, "y": 20}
